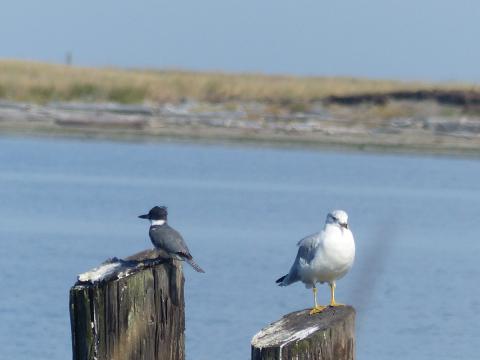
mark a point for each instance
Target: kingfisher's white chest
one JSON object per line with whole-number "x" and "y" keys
{"x": 157, "y": 222}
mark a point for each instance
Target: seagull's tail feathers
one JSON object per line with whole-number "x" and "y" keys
{"x": 284, "y": 280}
{"x": 279, "y": 281}
{"x": 194, "y": 265}
{"x": 288, "y": 279}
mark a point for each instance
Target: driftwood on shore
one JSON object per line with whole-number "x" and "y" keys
{"x": 129, "y": 309}
{"x": 382, "y": 121}
{"x": 329, "y": 335}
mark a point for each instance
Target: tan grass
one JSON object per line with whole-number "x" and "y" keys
{"x": 42, "y": 82}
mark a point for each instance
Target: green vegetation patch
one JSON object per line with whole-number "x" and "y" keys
{"x": 42, "y": 93}
{"x": 83, "y": 91}
{"x": 127, "y": 95}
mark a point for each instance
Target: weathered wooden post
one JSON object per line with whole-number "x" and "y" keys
{"x": 129, "y": 309}
{"x": 329, "y": 335}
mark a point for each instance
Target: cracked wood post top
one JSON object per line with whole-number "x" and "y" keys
{"x": 130, "y": 308}
{"x": 329, "y": 335}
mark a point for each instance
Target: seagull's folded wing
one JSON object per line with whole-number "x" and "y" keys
{"x": 306, "y": 252}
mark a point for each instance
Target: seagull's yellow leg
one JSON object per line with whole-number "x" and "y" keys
{"x": 332, "y": 294}
{"x": 317, "y": 308}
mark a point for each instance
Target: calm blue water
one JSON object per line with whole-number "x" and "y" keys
{"x": 67, "y": 205}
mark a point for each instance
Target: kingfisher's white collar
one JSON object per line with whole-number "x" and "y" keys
{"x": 157, "y": 222}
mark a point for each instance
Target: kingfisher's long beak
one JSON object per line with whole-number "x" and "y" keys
{"x": 143, "y": 216}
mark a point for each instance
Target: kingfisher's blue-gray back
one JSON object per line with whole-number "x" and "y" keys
{"x": 166, "y": 238}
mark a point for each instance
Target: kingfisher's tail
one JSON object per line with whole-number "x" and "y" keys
{"x": 194, "y": 265}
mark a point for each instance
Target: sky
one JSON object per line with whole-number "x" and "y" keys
{"x": 406, "y": 39}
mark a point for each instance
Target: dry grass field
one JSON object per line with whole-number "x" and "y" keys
{"x": 41, "y": 83}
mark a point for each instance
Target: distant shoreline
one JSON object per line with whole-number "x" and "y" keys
{"x": 207, "y": 123}
{"x": 360, "y": 114}
{"x": 266, "y": 142}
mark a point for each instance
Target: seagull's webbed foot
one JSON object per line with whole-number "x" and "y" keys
{"x": 317, "y": 309}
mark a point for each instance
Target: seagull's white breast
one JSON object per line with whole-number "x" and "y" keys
{"x": 334, "y": 255}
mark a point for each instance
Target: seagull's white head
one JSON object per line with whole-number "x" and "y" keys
{"x": 338, "y": 217}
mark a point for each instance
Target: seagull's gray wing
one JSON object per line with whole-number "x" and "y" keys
{"x": 307, "y": 246}
{"x": 305, "y": 254}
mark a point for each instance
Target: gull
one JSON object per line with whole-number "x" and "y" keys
{"x": 166, "y": 238}
{"x": 325, "y": 256}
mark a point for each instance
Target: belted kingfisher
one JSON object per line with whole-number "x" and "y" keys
{"x": 167, "y": 238}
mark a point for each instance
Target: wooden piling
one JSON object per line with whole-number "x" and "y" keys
{"x": 329, "y": 335}
{"x": 129, "y": 309}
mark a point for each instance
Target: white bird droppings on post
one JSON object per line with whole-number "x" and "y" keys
{"x": 99, "y": 273}
{"x": 278, "y": 334}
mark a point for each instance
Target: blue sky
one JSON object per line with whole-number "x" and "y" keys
{"x": 425, "y": 40}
